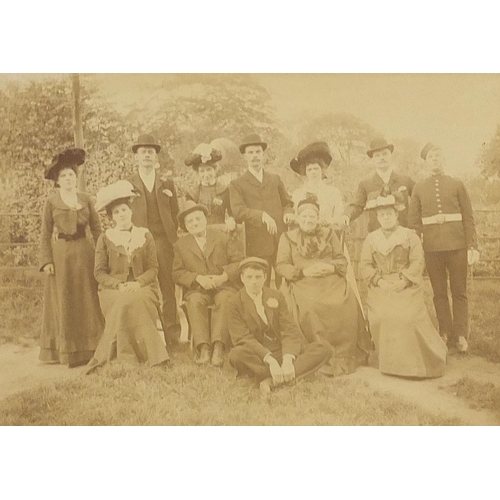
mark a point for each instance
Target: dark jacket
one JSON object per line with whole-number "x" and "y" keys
{"x": 167, "y": 203}
{"x": 59, "y": 218}
{"x": 112, "y": 264}
{"x": 249, "y": 200}
{"x": 247, "y": 328}
{"x": 222, "y": 254}
{"x": 219, "y": 204}
{"x": 442, "y": 194}
{"x": 370, "y": 187}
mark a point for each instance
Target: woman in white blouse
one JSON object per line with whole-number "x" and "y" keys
{"x": 311, "y": 163}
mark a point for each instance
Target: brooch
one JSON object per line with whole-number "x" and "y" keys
{"x": 168, "y": 193}
{"x": 272, "y": 302}
{"x": 217, "y": 201}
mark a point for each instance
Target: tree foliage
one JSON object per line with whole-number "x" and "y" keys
{"x": 489, "y": 160}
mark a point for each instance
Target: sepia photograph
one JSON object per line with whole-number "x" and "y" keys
{"x": 249, "y": 249}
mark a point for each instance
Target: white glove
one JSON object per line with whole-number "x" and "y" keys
{"x": 472, "y": 256}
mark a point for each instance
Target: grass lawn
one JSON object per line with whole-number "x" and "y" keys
{"x": 479, "y": 395}
{"x": 186, "y": 394}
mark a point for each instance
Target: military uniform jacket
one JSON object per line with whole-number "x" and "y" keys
{"x": 249, "y": 200}
{"x": 370, "y": 187}
{"x": 442, "y": 194}
{"x": 168, "y": 205}
{"x": 247, "y": 328}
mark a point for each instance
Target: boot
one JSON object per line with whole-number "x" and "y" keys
{"x": 218, "y": 354}
{"x": 204, "y": 355}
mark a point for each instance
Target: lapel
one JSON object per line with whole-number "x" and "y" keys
{"x": 251, "y": 179}
{"x": 193, "y": 246}
{"x": 249, "y": 306}
{"x": 393, "y": 179}
{"x": 210, "y": 245}
{"x": 137, "y": 183}
{"x": 266, "y": 178}
{"x": 266, "y": 295}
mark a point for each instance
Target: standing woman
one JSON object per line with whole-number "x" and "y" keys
{"x": 126, "y": 268}
{"x": 311, "y": 163}
{"x": 72, "y": 320}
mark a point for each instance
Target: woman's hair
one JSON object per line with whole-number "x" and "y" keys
{"x": 307, "y": 202}
{"x": 65, "y": 167}
{"x": 314, "y": 159}
{"x": 113, "y": 204}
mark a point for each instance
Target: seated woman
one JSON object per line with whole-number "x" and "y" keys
{"x": 392, "y": 262}
{"x": 323, "y": 304}
{"x": 210, "y": 192}
{"x": 126, "y": 268}
{"x": 311, "y": 163}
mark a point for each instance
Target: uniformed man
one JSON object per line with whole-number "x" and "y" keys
{"x": 380, "y": 154}
{"x": 441, "y": 211}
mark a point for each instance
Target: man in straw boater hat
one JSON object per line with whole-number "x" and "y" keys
{"x": 441, "y": 211}
{"x": 156, "y": 208}
{"x": 259, "y": 199}
{"x": 206, "y": 265}
{"x": 380, "y": 154}
{"x": 268, "y": 344}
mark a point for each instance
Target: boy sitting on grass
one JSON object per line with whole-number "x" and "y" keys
{"x": 267, "y": 343}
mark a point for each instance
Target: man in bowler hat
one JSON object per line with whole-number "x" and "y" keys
{"x": 268, "y": 344}
{"x": 156, "y": 208}
{"x": 259, "y": 199}
{"x": 380, "y": 154}
{"x": 441, "y": 211}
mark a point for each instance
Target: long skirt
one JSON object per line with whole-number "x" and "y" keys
{"x": 130, "y": 334}
{"x": 72, "y": 319}
{"x": 326, "y": 308}
{"x": 406, "y": 342}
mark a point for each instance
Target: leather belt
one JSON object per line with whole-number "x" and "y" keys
{"x": 441, "y": 219}
{"x": 80, "y": 233}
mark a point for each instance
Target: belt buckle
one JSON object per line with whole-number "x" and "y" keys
{"x": 440, "y": 218}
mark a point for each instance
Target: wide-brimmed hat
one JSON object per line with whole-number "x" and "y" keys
{"x": 120, "y": 190}
{"x": 252, "y": 140}
{"x": 379, "y": 144}
{"x": 253, "y": 261}
{"x": 426, "y": 149}
{"x": 146, "y": 140}
{"x": 71, "y": 158}
{"x": 204, "y": 154}
{"x": 385, "y": 199}
{"x": 190, "y": 206}
{"x": 311, "y": 151}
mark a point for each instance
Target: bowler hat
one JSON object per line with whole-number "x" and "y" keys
{"x": 253, "y": 261}
{"x": 190, "y": 206}
{"x": 71, "y": 158}
{"x": 204, "y": 154}
{"x": 426, "y": 149}
{"x": 379, "y": 144}
{"x": 252, "y": 140}
{"x": 146, "y": 140}
{"x": 311, "y": 151}
{"x": 119, "y": 190}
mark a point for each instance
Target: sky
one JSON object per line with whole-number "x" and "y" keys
{"x": 458, "y": 111}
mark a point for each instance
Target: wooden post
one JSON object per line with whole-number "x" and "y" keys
{"x": 78, "y": 130}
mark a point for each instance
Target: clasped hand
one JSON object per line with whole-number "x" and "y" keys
{"x": 211, "y": 281}
{"x": 284, "y": 373}
{"x": 319, "y": 269}
{"x": 129, "y": 286}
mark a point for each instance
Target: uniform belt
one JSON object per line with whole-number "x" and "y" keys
{"x": 441, "y": 219}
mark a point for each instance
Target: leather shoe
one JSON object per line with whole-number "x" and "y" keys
{"x": 204, "y": 355}
{"x": 218, "y": 354}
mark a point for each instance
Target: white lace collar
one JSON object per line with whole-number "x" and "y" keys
{"x": 385, "y": 245}
{"x": 128, "y": 240}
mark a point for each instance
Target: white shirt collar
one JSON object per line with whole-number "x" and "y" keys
{"x": 385, "y": 176}
{"x": 201, "y": 241}
{"x": 258, "y": 175}
{"x": 256, "y": 298}
{"x": 148, "y": 179}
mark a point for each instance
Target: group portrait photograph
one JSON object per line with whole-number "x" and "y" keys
{"x": 241, "y": 249}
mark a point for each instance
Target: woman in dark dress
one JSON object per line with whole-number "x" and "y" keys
{"x": 210, "y": 191}
{"x": 72, "y": 320}
{"x": 126, "y": 268}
